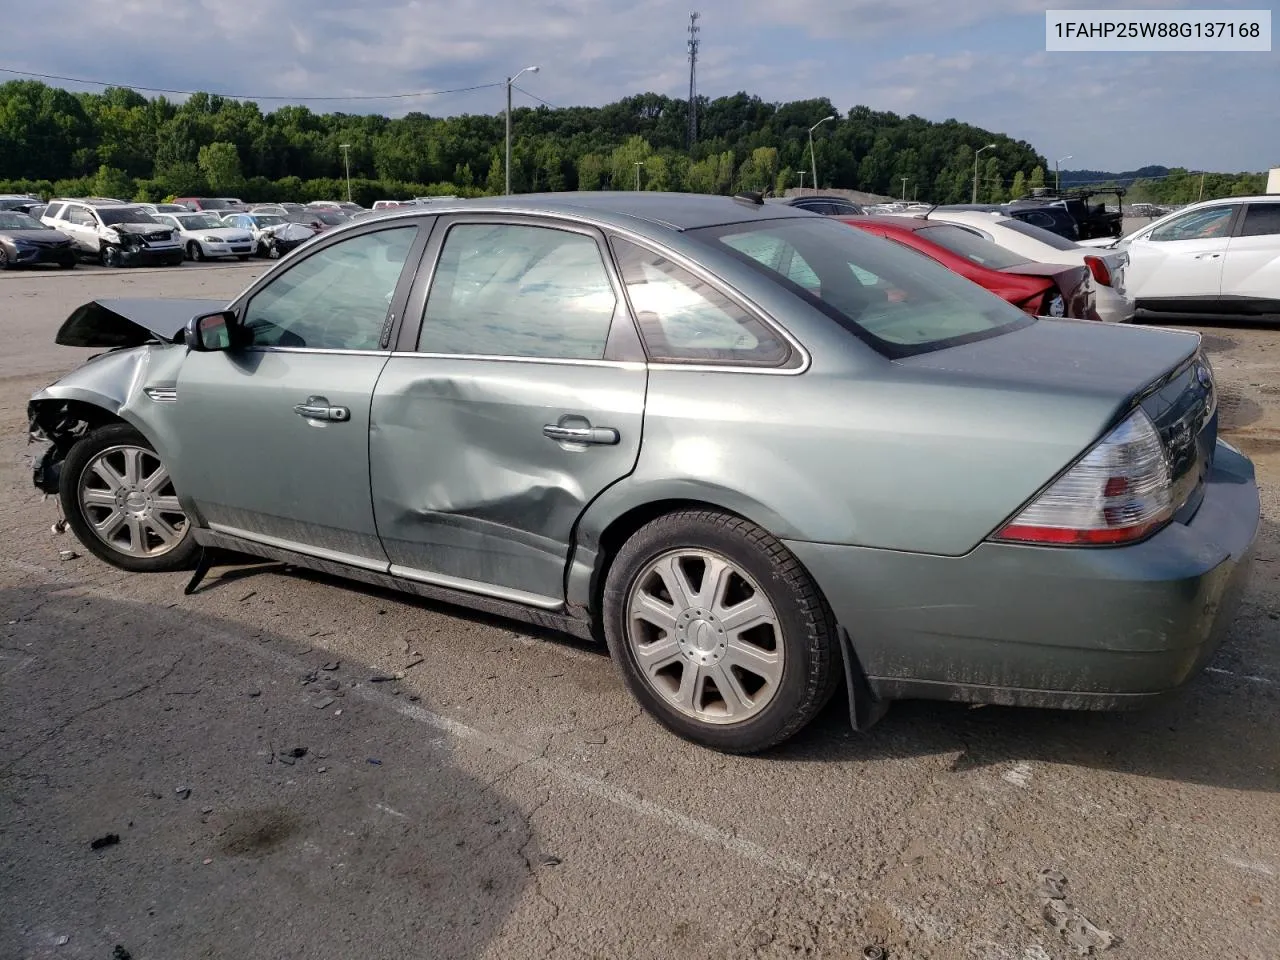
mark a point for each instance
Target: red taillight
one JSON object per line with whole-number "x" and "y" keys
{"x": 1098, "y": 267}
{"x": 1120, "y": 491}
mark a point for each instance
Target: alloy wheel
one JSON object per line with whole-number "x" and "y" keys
{"x": 128, "y": 499}
{"x": 705, "y": 637}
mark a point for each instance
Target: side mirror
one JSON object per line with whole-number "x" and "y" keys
{"x": 211, "y": 332}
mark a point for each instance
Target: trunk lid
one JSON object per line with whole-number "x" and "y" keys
{"x": 1163, "y": 371}
{"x": 1074, "y": 283}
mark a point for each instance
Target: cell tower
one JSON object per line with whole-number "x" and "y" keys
{"x": 693, "y": 77}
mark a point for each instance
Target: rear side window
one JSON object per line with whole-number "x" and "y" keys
{"x": 685, "y": 319}
{"x": 967, "y": 244}
{"x": 1047, "y": 237}
{"x": 507, "y": 290}
{"x": 55, "y": 211}
{"x": 1261, "y": 220}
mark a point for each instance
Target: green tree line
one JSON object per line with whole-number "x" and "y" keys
{"x": 120, "y": 143}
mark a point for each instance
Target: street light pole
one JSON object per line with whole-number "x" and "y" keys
{"x": 1057, "y": 173}
{"x": 904, "y": 189}
{"x": 638, "y": 164}
{"x": 346, "y": 156}
{"x": 989, "y": 146}
{"x": 510, "y": 81}
{"x": 813, "y": 157}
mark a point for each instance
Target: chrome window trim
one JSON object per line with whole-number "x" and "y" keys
{"x": 337, "y": 351}
{"x": 555, "y": 361}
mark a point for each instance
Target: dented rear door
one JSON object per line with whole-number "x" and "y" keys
{"x": 516, "y": 396}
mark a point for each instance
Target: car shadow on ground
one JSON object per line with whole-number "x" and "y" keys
{"x": 237, "y": 812}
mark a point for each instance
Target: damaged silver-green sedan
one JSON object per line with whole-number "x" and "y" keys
{"x": 761, "y": 455}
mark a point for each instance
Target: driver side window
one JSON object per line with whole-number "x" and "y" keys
{"x": 1208, "y": 224}
{"x": 336, "y": 299}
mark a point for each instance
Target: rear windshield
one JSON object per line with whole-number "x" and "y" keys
{"x": 1048, "y": 237}
{"x": 898, "y": 300}
{"x": 967, "y": 244}
{"x": 112, "y": 215}
{"x": 215, "y": 204}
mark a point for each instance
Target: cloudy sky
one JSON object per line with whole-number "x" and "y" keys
{"x": 981, "y": 61}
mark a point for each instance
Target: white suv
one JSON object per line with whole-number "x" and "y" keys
{"x": 1216, "y": 259}
{"x": 116, "y": 234}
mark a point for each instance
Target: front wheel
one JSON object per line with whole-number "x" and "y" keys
{"x": 4, "y": 259}
{"x": 110, "y": 256}
{"x": 719, "y": 631}
{"x": 119, "y": 499}
{"x": 195, "y": 251}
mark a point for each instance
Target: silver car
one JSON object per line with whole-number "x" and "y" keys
{"x": 760, "y": 455}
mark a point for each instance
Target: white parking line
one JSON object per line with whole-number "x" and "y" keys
{"x": 1240, "y": 676}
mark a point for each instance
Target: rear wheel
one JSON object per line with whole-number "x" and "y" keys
{"x": 719, "y": 631}
{"x": 119, "y": 499}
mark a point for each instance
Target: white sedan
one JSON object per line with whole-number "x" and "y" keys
{"x": 1216, "y": 259}
{"x": 205, "y": 236}
{"x": 1113, "y": 301}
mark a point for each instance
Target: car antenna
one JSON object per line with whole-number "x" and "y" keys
{"x": 925, "y": 215}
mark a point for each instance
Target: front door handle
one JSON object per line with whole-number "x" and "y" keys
{"x": 1210, "y": 256}
{"x": 584, "y": 434}
{"x": 319, "y": 408}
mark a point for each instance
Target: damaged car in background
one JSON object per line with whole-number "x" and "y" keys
{"x": 542, "y": 407}
{"x": 273, "y": 235}
{"x": 115, "y": 234}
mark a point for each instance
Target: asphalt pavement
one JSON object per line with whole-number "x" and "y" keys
{"x": 286, "y": 765}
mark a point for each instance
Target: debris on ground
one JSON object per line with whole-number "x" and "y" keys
{"x": 106, "y": 840}
{"x": 549, "y": 860}
{"x": 65, "y": 555}
{"x": 414, "y": 662}
{"x": 595, "y": 738}
{"x": 182, "y": 792}
{"x": 120, "y": 953}
{"x": 332, "y": 666}
{"x": 251, "y": 593}
{"x": 206, "y": 810}
{"x": 1076, "y": 930}
{"x": 63, "y": 940}
{"x": 332, "y": 685}
{"x": 254, "y": 693}
{"x": 376, "y": 762}
{"x": 321, "y": 704}
{"x": 381, "y": 678}
{"x": 873, "y": 952}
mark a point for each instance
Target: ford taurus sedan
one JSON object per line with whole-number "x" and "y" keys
{"x": 759, "y": 454}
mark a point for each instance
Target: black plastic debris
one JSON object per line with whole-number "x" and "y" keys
{"x": 106, "y": 840}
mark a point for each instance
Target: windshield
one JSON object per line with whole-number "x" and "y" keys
{"x": 332, "y": 218}
{"x": 972, "y": 247}
{"x": 199, "y": 221}
{"x": 269, "y": 219}
{"x": 214, "y": 204}
{"x": 1047, "y": 237}
{"x": 11, "y": 220}
{"x": 171, "y": 208}
{"x": 898, "y": 300}
{"x": 113, "y": 215}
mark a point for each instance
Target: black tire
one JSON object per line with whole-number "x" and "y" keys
{"x": 242, "y": 257}
{"x": 78, "y": 459}
{"x": 110, "y": 256}
{"x": 4, "y": 259}
{"x": 195, "y": 251}
{"x": 67, "y": 266}
{"x": 812, "y": 667}
{"x": 273, "y": 252}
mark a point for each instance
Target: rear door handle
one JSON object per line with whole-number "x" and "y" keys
{"x": 563, "y": 434}
{"x": 1203, "y": 256}
{"x": 319, "y": 408}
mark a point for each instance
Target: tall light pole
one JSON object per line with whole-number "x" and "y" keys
{"x": 1057, "y": 173}
{"x": 904, "y": 189}
{"x": 510, "y": 81}
{"x": 346, "y": 156}
{"x": 637, "y": 164}
{"x": 989, "y": 146}
{"x": 813, "y": 157}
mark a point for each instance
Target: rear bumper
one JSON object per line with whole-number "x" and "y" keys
{"x": 1049, "y": 627}
{"x": 1111, "y": 307}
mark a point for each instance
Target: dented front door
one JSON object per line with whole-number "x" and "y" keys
{"x": 517, "y": 402}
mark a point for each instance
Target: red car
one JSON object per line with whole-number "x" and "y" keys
{"x": 1040, "y": 289}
